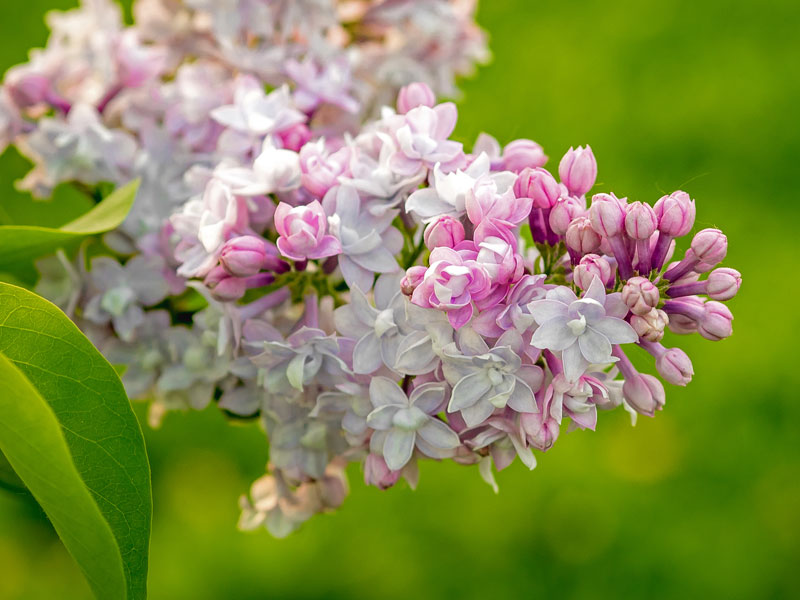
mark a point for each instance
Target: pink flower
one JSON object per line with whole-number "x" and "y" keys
{"x": 591, "y": 266}
{"x": 539, "y": 185}
{"x": 563, "y": 212}
{"x": 581, "y": 239}
{"x": 451, "y": 284}
{"x": 303, "y": 230}
{"x": 494, "y": 213}
{"x": 422, "y": 138}
{"x": 444, "y": 231}
{"x": 244, "y": 256}
{"x": 321, "y": 168}
{"x": 578, "y": 170}
{"x": 640, "y": 295}
{"x": 523, "y": 154}
{"x": 414, "y": 95}
{"x": 675, "y": 214}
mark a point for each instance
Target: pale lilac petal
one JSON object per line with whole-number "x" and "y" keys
{"x": 596, "y": 291}
{"x": 438, "y": 435}
{"x": 616, "y": 330}
{"x": 544, "y": 310}
{"x": 381, "y": 418}
{"x": 477, "y": 413}
{"x": 594, "y": 346}
{"x": 384, "y": 391}
{"x": 468, "y": 391}
{"x": 398, "y": 447}
{"x": 574, "y": 362}
{"x": 521, "y": 399}
{"x": 447, "y": 115}
{"x": 354, "y": 275}
{"x": 553, "y": 335}
{"x": 427, "y": 397}
{"x": 367, "y": 355}
{"x": 591, "y": 309}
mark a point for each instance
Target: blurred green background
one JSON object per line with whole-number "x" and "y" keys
{"x": 703, "y": 501}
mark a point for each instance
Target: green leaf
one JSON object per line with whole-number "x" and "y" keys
{"x": 24, "y": 242}
{"x": 31, "y": 439}
{"x": 87, "y": 398}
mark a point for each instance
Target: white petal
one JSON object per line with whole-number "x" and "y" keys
{"x": 574, "y": 362}
{"x": 381, "y": 418}
{"x": 616, "y": 330}
{"x": 595, "y": 347}
{"x": 438, "y": 435}
{"x": 427, "y": 397}
{"x": 596, "y": 291}
{"x": 468, "y": 391}
{"x": 522, "y": 399}
{"x": 367, "y": 355}
{"x": 553, "y": 335}
{"x": 398, "y": 447}
{"x": 384, "y": 391}
{"x": 477, "y": 413}
{"x": 544, "y": 310}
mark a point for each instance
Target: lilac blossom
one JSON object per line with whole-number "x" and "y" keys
{"x": 405, "y": 422}
{"x": 368, "y": 242}
{"x": 583, "y": 330}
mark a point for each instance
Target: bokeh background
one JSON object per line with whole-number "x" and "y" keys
{"x": 703, "y": 501}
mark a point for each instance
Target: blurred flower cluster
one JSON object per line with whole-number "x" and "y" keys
{"x": 350, "y": 276}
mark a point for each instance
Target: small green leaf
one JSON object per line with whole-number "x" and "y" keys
{"x": 98, "y": 424}
{"x": 24, "y": 242}
{"x": 31, "y": 439}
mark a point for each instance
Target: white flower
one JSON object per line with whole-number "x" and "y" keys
{"x": 257, "y": 113}
{"x": 403, "y": 422}
{"x": 582, "y": 330}
{"x": 487, "y": 379}
{"x": 369, "y": 242}
{"x": 449, "y": 191}
{"x": 274, "y": 170}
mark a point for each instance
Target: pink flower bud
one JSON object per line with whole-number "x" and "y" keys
{"x": 650, "y": 326}
{"x": 640, "y": 221}
{"x": 581, "y": 238}
{"x": 413, "y": 278}
{"x": 675, "y": 214}
{"x": 321, "y": 168}
{"x": 723, "y": 283}
{"x": 716, "y": 322}
{"x": 578, "y": 170}
{"x": 377, "y": 473}
{"x": 709, "y": 246}
{"x": 592, "y": 266}
{"x": 683, "y": 324}
{"x": 522, "y": 154}
{"x": 444, "y": 231}
{"x": 243, "y": 256}
{"x": 541, "y": 431}
{"x": 675, "y": 366}
{"x": 26, "y": 88}
{"x": 607, "y": 214}
{"x": 223, "y": 286}
{"x": 302, "y": 232}
{"x": 538, "y": 185}
{"x": 564, "y": 211}
{"x": 640, "y": 295}
{"x": 644, "y": 393}
{"x": 294, "y": 137}
{"x": 414, "y": 95}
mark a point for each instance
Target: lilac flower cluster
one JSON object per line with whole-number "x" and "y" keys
{"x": 184, "y": 88}
{"x": 363, "y": 286}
